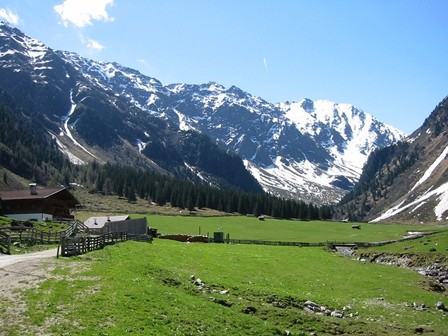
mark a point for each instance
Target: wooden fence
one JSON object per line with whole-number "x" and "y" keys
{"x": 70, "y": 246}
{"x": 271, "y": 242}
{"x": 11, "y": 234}
{"x": 329, "y": 244}
{"x": 8, "y": 235}
{"x": 140, "y": 237}
{"x": 69, "y": 242}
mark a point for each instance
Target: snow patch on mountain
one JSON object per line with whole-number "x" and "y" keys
{"x": 184, "y": 124}
{"x": 440, "y": 193}
{"x": 430, "y": 170}
{"x": 442, "y": 206}
{"x": 67, "y": 127}
{"x": 442, "y": 197}
{"x": 141, "y": 145}
{"x": 71, "y": 157}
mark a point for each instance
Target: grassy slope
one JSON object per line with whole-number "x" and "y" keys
{"x": 433, "y": 244}
{"x": 12, "y": 181}
{"x": 103, "y": 205}
{"x": 144, "y": 289}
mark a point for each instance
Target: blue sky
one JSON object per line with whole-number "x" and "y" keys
{"x": 387, "y": 57}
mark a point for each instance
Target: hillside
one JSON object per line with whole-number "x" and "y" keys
{"x": 407, "y": 181}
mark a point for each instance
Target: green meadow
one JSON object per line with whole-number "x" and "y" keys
{"x": 147, "y": 289}
{"x": 242, "y": 227}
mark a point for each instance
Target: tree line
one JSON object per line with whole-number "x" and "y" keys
{"x": 130, "y": 183}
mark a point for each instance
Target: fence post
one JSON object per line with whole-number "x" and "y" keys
{"x": 8, "y": 244}
{"x": 62, "y": 246}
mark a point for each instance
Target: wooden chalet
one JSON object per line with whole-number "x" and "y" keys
{"x": 38, "y": 204}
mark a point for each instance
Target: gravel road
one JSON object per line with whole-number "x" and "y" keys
{"x": 6, "y": 260}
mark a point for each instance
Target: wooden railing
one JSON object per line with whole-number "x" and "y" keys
{"x": 23, "y": 233}
{"x": 70, "y": 246}
{"x": 75, "y": 227}
{"x": 69, "y": 243}
{"x": 11, "y": 234}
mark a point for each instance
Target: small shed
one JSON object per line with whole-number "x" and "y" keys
{"x": 106, "y": 224}
{"x": 38, "y": 203}
{"x": 96, "y": 224}
{"x": 137, "y": 226}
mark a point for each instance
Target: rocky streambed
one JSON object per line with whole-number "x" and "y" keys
{"x": 434, "y": 267}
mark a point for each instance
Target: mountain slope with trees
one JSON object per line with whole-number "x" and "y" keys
{"x": 35, "y": 156}
{"x": 407, "y": 181}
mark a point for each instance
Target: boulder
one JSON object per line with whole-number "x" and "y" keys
{"x": 249, "y": 310}
{"x": 337, "y": 313}
{"x": 440, "y": 305}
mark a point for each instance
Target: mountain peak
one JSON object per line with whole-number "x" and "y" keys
{"x": 307, "y": 105}
{"x": 306, "y": 149}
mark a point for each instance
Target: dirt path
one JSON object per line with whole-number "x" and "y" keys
{"x": 17, "y": 273}
{"x": 6, "y": 260}
{"x": 24, "y": 270}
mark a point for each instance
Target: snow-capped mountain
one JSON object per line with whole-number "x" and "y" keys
{"x": 90, "y": 121}
{"x": 301, "y": 149}
{"x": 314, "y": 150}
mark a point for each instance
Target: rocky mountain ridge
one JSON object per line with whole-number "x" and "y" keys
{"x": 313, "y": 150}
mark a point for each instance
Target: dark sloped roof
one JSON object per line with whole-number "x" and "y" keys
{"x": 41, "y": 193}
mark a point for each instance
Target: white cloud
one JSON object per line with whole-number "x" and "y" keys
{"x": 94, "y": 45}
{"x": 9, "y": 16}
{"x": 82, "y": 12}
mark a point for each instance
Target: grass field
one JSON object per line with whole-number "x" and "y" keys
{"x": 241, "y": 227}
{"x": 144, "y": 289}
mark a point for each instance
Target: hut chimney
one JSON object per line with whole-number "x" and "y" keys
{"x": 33, "y": 188}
